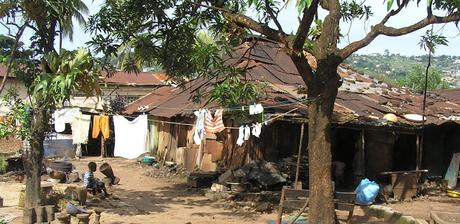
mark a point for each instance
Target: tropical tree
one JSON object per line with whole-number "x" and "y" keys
{"x": 415, "y": 79}
{"x": 49, "y": 77}
{"x": 169, "y": 28}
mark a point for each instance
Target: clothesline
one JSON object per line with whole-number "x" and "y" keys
{"x": 239, "y": 108}
{"x": 188, "y": 124}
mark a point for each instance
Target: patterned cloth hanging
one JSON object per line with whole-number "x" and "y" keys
{"x": 214, "y": 124}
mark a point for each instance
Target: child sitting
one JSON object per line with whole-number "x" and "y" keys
{"x": 92, "y": 183}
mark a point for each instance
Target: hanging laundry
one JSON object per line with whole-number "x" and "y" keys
{"x": 80, "y": 128}
{"x": 199, "y": 126}
{"x": 130, "y": 136}
{"x": 247, "y": 132}
{"x": 240, "y": 139}
{"x": 214, "y": 124}
{"x": 63, "y": 116}
{"x": 257, "y": 129}
{"x": 256, "y": 109}
{"x": 244, "y": 132}
{"x": 101, "y": 125}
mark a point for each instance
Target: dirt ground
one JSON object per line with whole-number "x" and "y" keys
{"x": 143, "y": 199}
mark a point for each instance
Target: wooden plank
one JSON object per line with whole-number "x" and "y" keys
{"x": 345, "y": 197}
{"x": 291, "y": 193}
{"x": 207, "y": 164}
{"x": 295, "y": 204}
{"x": 180, "y": 156}
{"x": 452, "y": 171}
{"x": 344, "y": 206}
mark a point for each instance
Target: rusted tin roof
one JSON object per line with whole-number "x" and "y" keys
{"x": 136, "y": 79}
{"x": 360, "y": 98}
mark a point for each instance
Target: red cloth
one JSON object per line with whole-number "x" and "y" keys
{"x": 214, "y": 124}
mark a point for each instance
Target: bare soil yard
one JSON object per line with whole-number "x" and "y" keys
{"x": 142, "y": 199}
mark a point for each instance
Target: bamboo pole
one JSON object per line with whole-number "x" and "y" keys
{"x": 297, "y": 172}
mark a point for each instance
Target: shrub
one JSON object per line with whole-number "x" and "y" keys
{"x": 3, "y": 165}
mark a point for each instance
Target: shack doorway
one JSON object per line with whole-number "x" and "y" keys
{"x": 344, "y": 148}
{"x": 405, "y": 152}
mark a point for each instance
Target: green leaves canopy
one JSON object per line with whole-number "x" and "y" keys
{"x": 415, "y": 80}
{"x": 66, "y": 73}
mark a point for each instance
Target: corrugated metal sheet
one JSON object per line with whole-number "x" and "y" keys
{"x": 360, "y": 98}
{"x": 137, "y": 79}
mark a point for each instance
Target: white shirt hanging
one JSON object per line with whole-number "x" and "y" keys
{"x": 199, "y": 126}
{"x": 247, "y": 132}
{"x": 130, "y": 136}
{"x": 63, "y": 116}
{"x": 240, "y": 139}
{"x": 256, "y": 109}
{"x": 257, "y": 129}
{"x": 80, "y": 128}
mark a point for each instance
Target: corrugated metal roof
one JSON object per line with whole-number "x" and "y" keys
{"x": 360, "y": 98}
{"x": 137, "y": 79}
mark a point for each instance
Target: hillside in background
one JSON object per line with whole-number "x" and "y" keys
{"x": 393, "y": 67}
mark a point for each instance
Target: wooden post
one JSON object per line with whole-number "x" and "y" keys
{"x": 363, "y": 151}
{"x": 200, "y": 152}
{"x": 50, "y": 213}
{"x": 297, "y": 172}
{"x": 103, "y": 153}
{"x": 418, "y": 153}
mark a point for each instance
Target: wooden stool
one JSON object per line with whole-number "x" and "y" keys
{"x": 97, "y": 215}
{"x": 83, "y": 218}
{"x": 50, "y": 213}
{"x": 63, "y": 218}
{"x": 40, "y": 214}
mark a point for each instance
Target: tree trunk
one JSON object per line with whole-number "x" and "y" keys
{"x": 322, "y": 87}
{"x": 33, "y": 162}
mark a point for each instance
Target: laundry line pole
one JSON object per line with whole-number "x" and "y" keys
{"x": 103, "y": 153}
{"x": 297, "y": 172}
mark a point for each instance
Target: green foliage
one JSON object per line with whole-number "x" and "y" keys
{"x": 392, "y": 67}
{"x": 17, "y": 122}
{"x": 430, "y": 41}
{"x": 415, "y": 80}
{"x": 161, "y": 33}
{"x": 352, "y": 10}
{"x": 66, "y": 73}
{"x": 448, "y": 5}
{"x": 3, "y": 166}
{"x": 47, "y": 18}
{"x": 233, "y": 92}
{"x": 116, "y": 105}
{"x": 5, "y": 45}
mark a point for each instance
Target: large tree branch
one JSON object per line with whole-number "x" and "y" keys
{"x": 273, "y": 16}
{"x": 249, "y": 23}
{"x": 12, "y": 54}
{"x": 394, "y": 12}
{"x": 394, "y": 32}
{"x": 305, "y": 25}
{"x": 326, "y": 44}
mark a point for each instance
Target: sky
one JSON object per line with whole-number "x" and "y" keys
{"x": 404, "y": 45}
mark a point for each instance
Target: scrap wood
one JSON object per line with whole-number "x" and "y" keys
{"x": 452, "y": 171}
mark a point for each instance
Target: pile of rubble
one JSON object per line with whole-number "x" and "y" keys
{"x": 254, "y": 176}
{"x": 289, "y": 165}
{"x": 263, "y": 202}
{"x": 168, "y": 170}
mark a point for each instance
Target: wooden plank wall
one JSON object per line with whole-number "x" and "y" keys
{"x": 222, "y": 148}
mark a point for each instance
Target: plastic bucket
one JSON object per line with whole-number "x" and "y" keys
{"x": 149, "y": 160}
